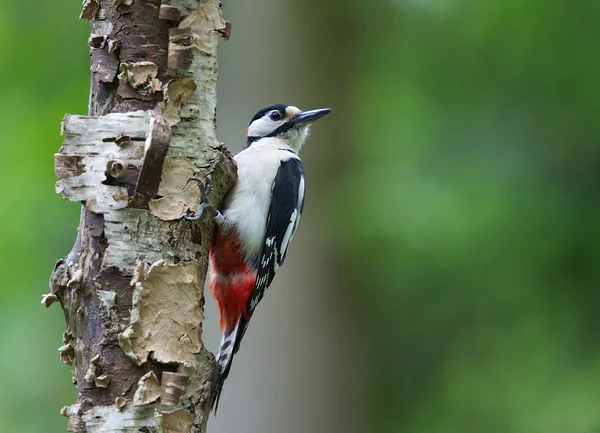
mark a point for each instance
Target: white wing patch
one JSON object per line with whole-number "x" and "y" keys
{"x": 288, "y": 234}
{"x": 294, "y": 220}
{"x": 301, "y": 190}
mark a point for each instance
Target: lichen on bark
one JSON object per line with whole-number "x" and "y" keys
{"x": 131, "y": 288}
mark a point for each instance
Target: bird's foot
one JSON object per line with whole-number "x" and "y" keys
{"x": 205, "y": 204}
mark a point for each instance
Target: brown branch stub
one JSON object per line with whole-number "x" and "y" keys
{"x": 226, "y": 32}
{"x": 155, "y": 152}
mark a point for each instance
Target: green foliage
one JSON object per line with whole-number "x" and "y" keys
{"x": 477, "y": 243}
{"x": 44, "y": 74}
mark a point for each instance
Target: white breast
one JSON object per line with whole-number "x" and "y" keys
{"x": 247, "y": 205}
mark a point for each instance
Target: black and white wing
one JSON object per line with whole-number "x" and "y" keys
{"x": 287, "y": 201}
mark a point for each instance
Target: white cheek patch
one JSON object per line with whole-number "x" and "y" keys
{"x": 263, "y": 126}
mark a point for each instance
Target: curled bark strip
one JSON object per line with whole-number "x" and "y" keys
{"x": 157, "y": 146}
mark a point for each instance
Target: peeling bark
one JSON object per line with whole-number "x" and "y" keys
{"x": 131, "y": 288}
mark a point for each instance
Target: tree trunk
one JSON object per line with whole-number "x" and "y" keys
{"x": 132, "y": 286}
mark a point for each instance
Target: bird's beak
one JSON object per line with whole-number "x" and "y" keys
{"x": 309, "y": 116}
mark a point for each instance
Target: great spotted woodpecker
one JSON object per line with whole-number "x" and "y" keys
{"x": 258, "y": 220}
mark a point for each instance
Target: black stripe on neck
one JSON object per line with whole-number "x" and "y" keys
{"x": 250, "y": 140}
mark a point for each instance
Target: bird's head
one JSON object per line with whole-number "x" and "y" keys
{"x": 284, "y": 122}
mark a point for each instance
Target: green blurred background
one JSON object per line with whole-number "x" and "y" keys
{"x": 446, "y": 276}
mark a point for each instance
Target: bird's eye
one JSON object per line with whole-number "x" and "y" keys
{"x": 275, "y": 115}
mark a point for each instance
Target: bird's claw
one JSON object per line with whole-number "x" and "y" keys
{"x": 198, "y": 213}
{"x": 205, "y": 189}
{"x": 204, "y": 201}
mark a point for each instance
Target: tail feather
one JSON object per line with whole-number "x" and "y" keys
{"x": 230, "y": 344}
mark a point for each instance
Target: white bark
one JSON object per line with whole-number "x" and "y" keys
{"x": 132, "y": 286}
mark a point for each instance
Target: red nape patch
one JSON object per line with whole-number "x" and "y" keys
{"x": 231, "y": 279}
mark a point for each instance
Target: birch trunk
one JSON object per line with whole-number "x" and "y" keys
{"x": 132, "y": 286}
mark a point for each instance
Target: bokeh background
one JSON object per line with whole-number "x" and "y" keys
{"x": 446, "y": 275}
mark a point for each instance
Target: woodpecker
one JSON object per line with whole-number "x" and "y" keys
{"x": 259, "y": 217}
